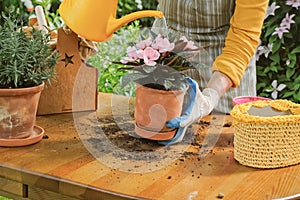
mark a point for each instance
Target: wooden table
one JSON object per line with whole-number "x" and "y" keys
{"x": 77, "y": 160}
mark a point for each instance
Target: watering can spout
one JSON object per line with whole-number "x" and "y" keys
{"x": 96, "y": 19}
{"x": 115, "y": 24}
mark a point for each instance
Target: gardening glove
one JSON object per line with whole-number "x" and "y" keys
{"x": 200, "y": 104}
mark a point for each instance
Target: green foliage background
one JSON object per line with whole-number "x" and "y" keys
{"x": 129, "y": 6}
{"x": 269, "y": 68}
{"x": 22, "y": 10}
{"x": 115, "y": 48}
{"x": 110, "y": 51}
{"x": 283, "y": 61}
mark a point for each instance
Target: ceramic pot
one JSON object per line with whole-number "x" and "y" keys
{"x": 153, "y": 109}
{"x": 18, "y": 109}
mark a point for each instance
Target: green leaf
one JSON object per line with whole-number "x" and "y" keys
{"x": 260, "y": 85}
{"x": 292, "y": 63}
{"x": 297, "y": 95}
{"x": 276, "y": 46}
{"x": 288, "y": 94}
{"x": 296, "y": 50}
{"x": 275, "y": 57}
{"x": 297, "y": 80}
{"x": 274, "y": 68}
{"x": 266, "y": 70}
{"x": 297, "y": 87}
{"x": 270, "y": 31}
{"x": 292, "y": 57}
{"x": 131, "y": 77}
{"x": 290, "y": 72}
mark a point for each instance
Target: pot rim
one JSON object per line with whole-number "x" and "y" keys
{"x": 179, "y": 91}
{"x": 21, "y": 91}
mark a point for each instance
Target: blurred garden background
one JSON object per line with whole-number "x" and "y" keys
{"x": 278, "y": 55}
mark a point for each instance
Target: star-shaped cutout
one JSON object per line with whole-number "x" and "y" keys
{"x": 68, "y": 59}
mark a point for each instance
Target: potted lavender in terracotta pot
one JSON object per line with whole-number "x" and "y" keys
{"x": 26, "y": 61}
{"x": 157, "y": 63}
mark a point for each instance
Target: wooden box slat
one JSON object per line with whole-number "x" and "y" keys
{"x": 74, "y": 87}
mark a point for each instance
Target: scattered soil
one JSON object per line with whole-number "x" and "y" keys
{"x": 112, "y": 140}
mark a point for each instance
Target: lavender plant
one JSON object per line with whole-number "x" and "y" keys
{"x": 26, "y": 58}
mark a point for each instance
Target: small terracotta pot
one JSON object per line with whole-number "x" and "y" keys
{"x": 153, "y": 109}
{"x": 18, "y": 111}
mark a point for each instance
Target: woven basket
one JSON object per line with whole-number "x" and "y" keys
{"x": 267, "y": 141}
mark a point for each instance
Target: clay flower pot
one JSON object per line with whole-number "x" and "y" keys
{"x": 18, "y": 111}
{"x": 153, "y": 109}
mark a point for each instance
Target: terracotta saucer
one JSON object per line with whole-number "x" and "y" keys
{"x": 35, "y": 137}
{"x": 154, "y": 135}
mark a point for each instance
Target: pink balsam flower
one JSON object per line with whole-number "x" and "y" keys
{"x": 132, "y": 52}
{"x": 144, "y": 43}
{"x": 190, "y": 44}
{"x": 132, "y": 55}
{"x": 149, "y": 55}
{"x": 163, "y": 44}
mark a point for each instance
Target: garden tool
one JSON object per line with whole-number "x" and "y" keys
{"x": 96, "y": 19}
{"x": 42, "y": 22}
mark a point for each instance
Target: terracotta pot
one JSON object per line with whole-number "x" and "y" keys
{"x": 153, "y": 109}
{"x": 18, "y": 111}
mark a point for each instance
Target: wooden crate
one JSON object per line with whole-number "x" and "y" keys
{"x": 74, "y": 87}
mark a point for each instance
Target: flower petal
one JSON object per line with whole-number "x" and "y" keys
{"x": 274, "y": 94}
{"x": 274, "y": 84}
{"x": 281, "y": 87}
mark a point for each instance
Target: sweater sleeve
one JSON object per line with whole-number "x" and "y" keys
{"x": 242, "y": 39}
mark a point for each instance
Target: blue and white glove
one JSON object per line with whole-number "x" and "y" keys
{"x": 200, "y": 104}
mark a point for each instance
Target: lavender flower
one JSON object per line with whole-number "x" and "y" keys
{"x": 293, "y": 3}
{"x": 271, "y": 9}
{"x": 287, "y": 21}
{"x": 280, "y": 30}
{"x": 264, "y": 50}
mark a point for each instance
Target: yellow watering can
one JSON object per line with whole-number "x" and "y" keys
{"x": 96, "y": 19}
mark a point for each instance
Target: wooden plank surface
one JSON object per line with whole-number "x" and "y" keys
{"x": 82, "y": 156}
